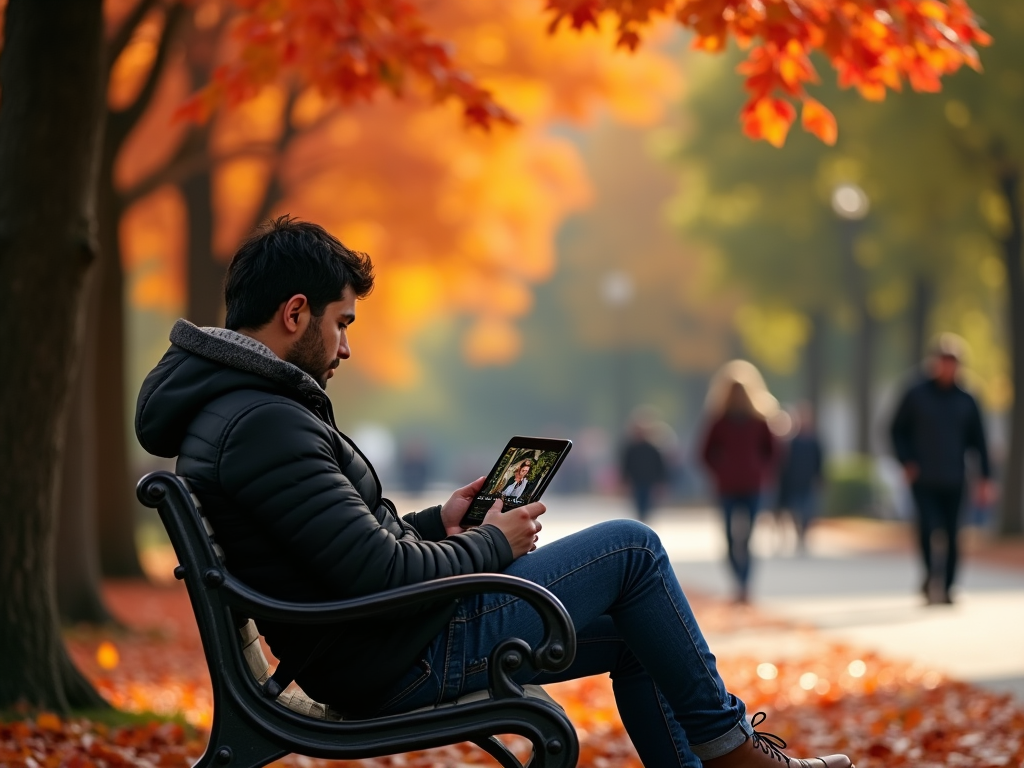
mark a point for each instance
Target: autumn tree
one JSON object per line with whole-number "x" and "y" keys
{"x": 50, "y": 133}
{"x": 350, "y": 51}
{"x": 52, "y": 72}
{"x": 938, "y": 249}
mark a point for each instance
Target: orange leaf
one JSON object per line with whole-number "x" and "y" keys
{"x": 47, "y": 721}
{"x": 817, "y": 119}
{"x": 768, "y": 119}
{"x": 107, "y": 656}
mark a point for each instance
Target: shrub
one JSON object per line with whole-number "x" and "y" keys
{"x": 851, "y": 487}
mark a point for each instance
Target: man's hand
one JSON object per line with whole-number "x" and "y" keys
{"x": 910, "y": 471}
{"x": 985, "y": 493}
{"x": 455, "y": 508}
{"x": 520, "y": 525}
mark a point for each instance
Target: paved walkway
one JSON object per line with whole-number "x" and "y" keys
{"x": 858, "y": 584}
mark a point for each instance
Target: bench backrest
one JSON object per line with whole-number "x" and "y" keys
{"x": 198, "y": 553}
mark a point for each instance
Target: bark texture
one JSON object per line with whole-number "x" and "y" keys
{"x": 79, "y": 598}
{"x": 205, "y": 272}
{"x": 51, "y": 114}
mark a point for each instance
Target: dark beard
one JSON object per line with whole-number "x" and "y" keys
{"x": 309, "y": 353}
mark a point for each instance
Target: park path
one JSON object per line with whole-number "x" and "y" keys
{"x": 858, "y": 584}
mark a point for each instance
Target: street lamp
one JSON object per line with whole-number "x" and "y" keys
{"x": 851, "y": 205}
{"x": 850, "y": 202}
{"x": 617, "y": 289}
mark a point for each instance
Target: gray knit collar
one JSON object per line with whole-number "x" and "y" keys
{"x": 236, "y": 350}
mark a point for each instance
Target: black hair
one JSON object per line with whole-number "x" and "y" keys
{"x": 285, "y": 257}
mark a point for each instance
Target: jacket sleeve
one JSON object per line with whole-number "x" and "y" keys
{"x": 902, "y": 430}
{"x": 976, "y": 439}
{"x": 427, "y": 523}
{"x": 278, "y": 464}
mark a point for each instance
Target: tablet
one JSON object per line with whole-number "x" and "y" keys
{"x": 520, "y": 475}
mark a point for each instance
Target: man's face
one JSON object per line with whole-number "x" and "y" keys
{"x": 324, "y": 343}
{"x": 523, "y": 471}
{"x": 946, "y": 367}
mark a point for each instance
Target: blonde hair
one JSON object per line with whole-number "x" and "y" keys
{"x": 762, "y": 403}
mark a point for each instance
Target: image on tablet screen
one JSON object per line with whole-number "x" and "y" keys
{"x": 520, "y": 472}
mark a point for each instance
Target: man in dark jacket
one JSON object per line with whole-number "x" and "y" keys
{"x": 936, "y": 424}
{"x": 800, "y": 474}
{"x": 300, "y": 515}
{"x": 643, "y": 468}
{"x": 296, "y": 507}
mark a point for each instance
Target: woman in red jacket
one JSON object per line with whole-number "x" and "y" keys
{"x": 739, "y": 451}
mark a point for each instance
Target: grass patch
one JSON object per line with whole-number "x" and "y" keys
{"x": 111, "y": 718}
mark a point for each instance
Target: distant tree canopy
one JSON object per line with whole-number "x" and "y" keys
{"x": 933, "y": 209}
{"x": 57, "y": 80}
{"x": 938, "y": 248}
{"x": 874, "y": 46}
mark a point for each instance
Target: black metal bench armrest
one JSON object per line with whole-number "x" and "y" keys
{"x": 250, "y": 731}
{"x": 554, "y": 652}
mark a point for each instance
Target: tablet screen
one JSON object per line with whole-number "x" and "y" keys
{"x": 520, "y": 475}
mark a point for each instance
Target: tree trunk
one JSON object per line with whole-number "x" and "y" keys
{"x": 205, "y": 272}
{"x": 116, "y": 506}
{"x": 51, "y": 117}
{"x": 863, "y": 375}
{"x": 114, "y": 496}
{"x": 863, "y": 370}
{"x": 814, "y": 362}
{"x": 1011, "y": 517}
{"x": 924, "y": 298}
{"x": 77, "y": 564}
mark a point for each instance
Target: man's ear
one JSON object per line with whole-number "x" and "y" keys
{"x": 295, "y": 313}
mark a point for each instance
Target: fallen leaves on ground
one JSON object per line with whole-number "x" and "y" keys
{"x": 884, "y": 713}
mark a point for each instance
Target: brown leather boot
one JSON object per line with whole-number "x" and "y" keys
{"x": 764, "y": 750}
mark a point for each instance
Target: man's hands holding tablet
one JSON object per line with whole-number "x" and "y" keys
{"x": 519, "y": 525}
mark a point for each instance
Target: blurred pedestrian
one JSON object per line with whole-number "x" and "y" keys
{"x": 739, "y": 450}
{"x": 936, "y": 424}
{"x": 800, "y": 474}
{"x": 643, "y": 467}
{"x": 414, "y": 465}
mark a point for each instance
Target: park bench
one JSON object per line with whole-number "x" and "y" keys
{"x": 257, "y": 720}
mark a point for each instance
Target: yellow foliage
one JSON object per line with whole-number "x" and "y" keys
{"x": 774, "y": 335}
{"x": 492, "y": 341}
{"x": 238, "y": 186}
{"x": 153, "y": 250}
{"x": 457, "y": 221}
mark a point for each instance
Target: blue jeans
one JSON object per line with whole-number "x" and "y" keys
{"x": 631, "y": 619}
{"x": 735, "y": 507}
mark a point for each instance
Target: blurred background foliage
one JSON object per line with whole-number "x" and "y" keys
{"x": 611, "y": 251}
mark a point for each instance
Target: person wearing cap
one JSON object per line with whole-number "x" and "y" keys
{"x": 937, "y": 423}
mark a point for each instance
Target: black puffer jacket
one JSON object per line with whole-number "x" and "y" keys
{"x": 298, "y": 509}
{"x": 934, "y": 428}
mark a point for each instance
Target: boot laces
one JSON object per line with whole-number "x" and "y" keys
{"x": 768, "y": 743}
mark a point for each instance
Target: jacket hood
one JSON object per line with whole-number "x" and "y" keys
{"x": 201, "y": 365}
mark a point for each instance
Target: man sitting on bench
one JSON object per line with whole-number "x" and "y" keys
{"x": 300, "y": 515}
